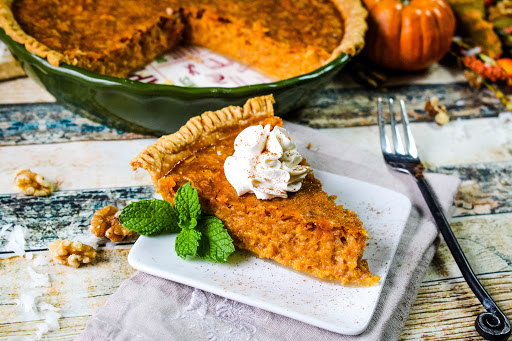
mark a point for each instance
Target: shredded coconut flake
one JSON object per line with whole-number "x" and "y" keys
{"x": 42, "y": 328}
{"x": 51, "y": 314}
{"x": 47, "y": 311}
{"x": 28, "y": 300}
{"x": 89, "y": 239}
{"x": 93, "y": 241}
{"x": 52, "y": 319}
{"x": 47, "y": 306}
{"x": 16, "y": 240}
{"x": 42, "y": 259}
{"x": 29, "y": 255}
{"x": 38, "y": 280}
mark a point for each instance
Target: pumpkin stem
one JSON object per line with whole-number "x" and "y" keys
{"x": 405, "y": 2}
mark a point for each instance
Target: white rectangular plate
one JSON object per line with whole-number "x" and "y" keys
{"x": 268, "y": 285}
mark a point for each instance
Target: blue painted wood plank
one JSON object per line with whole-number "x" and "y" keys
{"x": 338, "y": 106}
{"x": 333, "y": 107}
{"x": 39, "y": 123}
{"x": 64, "y": 214}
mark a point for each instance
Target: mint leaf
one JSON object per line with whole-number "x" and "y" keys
{"x": 150, "y": 217}
{"x": 187, "y": 205}
{"x": 216, "y": 244}
{"x": 188, "y": 224}
{"x": 187, "y": 242}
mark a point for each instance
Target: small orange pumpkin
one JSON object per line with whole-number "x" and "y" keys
{"x": 408, "y": 35}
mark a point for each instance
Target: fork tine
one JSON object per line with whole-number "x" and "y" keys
{"x": 399, "y": 147}
{"x": 409, "y": 139}
{"x": 383, "y": 139}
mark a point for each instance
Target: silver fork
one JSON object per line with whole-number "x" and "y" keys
{"x": 402, "y": 156}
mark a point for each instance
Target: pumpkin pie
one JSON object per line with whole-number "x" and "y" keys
{"x": 280, "y": 38}
{"x": 307, "y": 230}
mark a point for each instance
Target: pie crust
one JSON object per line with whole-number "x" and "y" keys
{"x": 307, "y": 230}
{"x": 125, "y": 57}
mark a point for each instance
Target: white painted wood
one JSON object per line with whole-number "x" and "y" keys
{"x": 458, "y": 142}
{"x": 23, "y": 90}
{"x": 76, "y": 165}
{"x": 484, "y": 239}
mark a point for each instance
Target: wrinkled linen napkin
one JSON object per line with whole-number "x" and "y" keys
{"x": 150, "y": 308}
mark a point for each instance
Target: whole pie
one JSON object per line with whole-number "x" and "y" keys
{"x": 307, "y": 230}
{"x": 282, "y": 38}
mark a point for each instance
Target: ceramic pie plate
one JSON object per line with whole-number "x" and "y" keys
{"x": 268, "y": 285}
{"x": 135, "y": 105}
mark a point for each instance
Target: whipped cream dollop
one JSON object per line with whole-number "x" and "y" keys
{"x": 265, "y": 163}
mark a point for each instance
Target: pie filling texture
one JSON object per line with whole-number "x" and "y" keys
{"x": 306, "y": 231}
{"x": 280, "y": 38}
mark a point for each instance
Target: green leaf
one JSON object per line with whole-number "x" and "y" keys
{"x": 187, "y": 242}
{"x": 187, "y": 205}
{"x": 188, "y": 224}
{"x": 150, "y": 217}
{"x": 216, "y": 244}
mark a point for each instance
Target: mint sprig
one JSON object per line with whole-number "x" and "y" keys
{"x": 199, "y": 235}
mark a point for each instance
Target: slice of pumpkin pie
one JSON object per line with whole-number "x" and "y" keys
{"x": 248, "y": 173}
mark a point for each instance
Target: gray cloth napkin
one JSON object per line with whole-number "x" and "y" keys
{"x": 150, "y": 308}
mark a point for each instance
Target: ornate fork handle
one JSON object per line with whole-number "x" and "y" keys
{"x": 403, "y": 156}
{"x": 493, "y": 324}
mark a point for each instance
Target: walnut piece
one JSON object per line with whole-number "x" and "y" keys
{"x": 105, "y": 223}
{"x": 434, "y": 107}
{"x": 30, "y": 183}
{"x": 436, "y": 110}
{"x": 442, "y": 118}
{"x": 71, "y": 253}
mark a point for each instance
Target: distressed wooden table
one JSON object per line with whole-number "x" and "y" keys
{"x": 90, "y": 163}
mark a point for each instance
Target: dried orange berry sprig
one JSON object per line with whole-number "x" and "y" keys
{"x": 482, "y": 64}
{"x": 482, "y": 70}
{"x": 493, "y": 72}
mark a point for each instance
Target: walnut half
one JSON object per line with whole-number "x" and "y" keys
{"x": 105, "y": 223}
{"x": 434, "y": 109}
{"x": 30, "y": 183}
{"x": 71, "y": 253}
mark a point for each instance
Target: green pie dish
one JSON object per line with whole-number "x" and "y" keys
{"x": 158, "y": 108}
